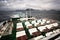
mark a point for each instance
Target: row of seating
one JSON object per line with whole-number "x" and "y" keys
{"x": 39, "y": 22}
{"x": 22, "y": 35}
{"x": 35, "y": 28}
{"x": 49, "y": 35}
{"x": 34, "y": 32}
{"x": 48, "y": 27}
{"x": 29, "y": 25}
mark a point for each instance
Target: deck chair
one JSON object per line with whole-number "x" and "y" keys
{"x": 19, "y": 26}
{"x": 21, "y": 35}
{"x": 28, "y": 25}
{"x": 48, "y": 21}
{"x": 42, "y": 23}
{"x": 39, "y": 21}
{"x": 49, "y": 33}
{"x": 33, "y": 22}
{"x": 34, "y": 32}
{"x": 49, "y": 26}
{"x": 43, "y": 20}
{"x": 27, "y": 22}
{"x": 36, "y": 24}
{"x": 41, "y": 28}
{"x": 55, "y": 24}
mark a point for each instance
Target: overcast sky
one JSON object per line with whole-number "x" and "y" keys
{"x": 35, "y": 4}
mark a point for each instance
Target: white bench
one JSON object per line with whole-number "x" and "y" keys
{"x": 32, "y": 31}
{"x": 27, "y": 22}
{"x": 39, "y": 21}
{"x": 36, "y": 24}
{"x": 41, "y": 28}
{"x": 21, "y": 35}
{"x": 19, "y": 26}
{"x": 55, "y": 24}
{"x": 33, "y": 22}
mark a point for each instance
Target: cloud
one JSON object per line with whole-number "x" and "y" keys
{"x": 35, "y": 4}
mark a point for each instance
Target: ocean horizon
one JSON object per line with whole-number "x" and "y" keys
{"x": 5, "y": 15}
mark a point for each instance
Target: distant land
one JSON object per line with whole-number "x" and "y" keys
{"x": 54, "y": 14}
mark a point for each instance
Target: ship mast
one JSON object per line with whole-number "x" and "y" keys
{"x": 26, "y": 15}
{"x": 30, "y": 12}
